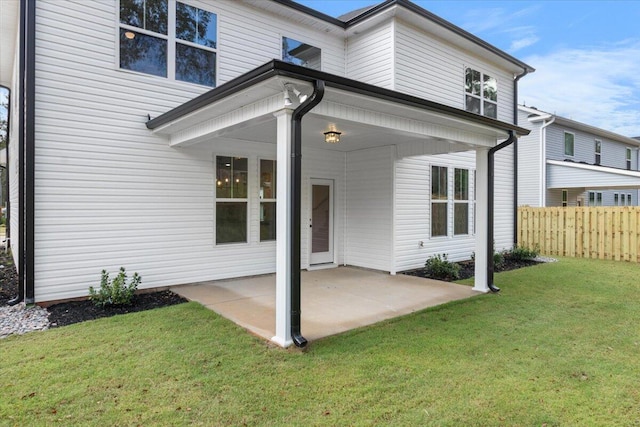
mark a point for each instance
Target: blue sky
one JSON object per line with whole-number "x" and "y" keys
{"x": 586, "y": 53}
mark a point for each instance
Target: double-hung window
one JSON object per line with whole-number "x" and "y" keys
{"x": 616, "y": 199}
{"x": 595, "y": 198}
{"x": 267, "y": 200}
{"x": 439, "y": 200}
{"x": 628, "y": 158}
{"x": 481, "y": 93}
{"x": 569, "y": 144}
{"x": 231, "y": 199}
{"x": 623, "y": 200}
{"x": 565, "y": 198}
{"x": 598, "y": 149}
{"x": 299, "y": 53}
{"x": 461, "y": 201}
{"x": 170, "y": 39}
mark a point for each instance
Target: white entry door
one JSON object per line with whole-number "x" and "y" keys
{"x": 321, "y": 221}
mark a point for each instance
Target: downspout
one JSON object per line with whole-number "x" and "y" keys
{"x": 543, "y": 161}
{"x": 30, "y": 155}
{"x": 515, "y": 157}
{"x": 7, "y": 237}
{"x": 296, "y": 199}
{"x": 490, "y": 267}
{"x": 20, "y": 142}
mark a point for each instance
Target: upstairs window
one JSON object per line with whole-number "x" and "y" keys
{"x": 195, "y": 45}
{"x": 568, "y": 144}
{"x": 144, "y": 35}
{"x": 299, "y": 53}
{"x": 598, "y": 149}
{"x": 481, "y": 93}
{"x": 148, "y": 44}
{"x": 628, "y": 158}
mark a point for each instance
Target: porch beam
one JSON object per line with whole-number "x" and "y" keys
{"x": 284, "y": 246}
{"x": 481, "y": 283}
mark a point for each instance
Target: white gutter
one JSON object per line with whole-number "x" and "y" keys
{"x": 543, "y": 155}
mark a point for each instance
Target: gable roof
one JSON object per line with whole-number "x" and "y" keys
{"x": 536, "y": 114}
{"x": 358, "y": 16}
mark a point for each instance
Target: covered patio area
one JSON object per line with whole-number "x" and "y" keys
{"x": 333, "y": 300}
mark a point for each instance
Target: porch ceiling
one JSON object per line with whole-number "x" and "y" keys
{"x": 366, "y": 116}
{"x": 564, "y": 175}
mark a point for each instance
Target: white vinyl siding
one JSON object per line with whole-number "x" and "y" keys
{"x": 503, "y": 200}
{"x": 413, "y": 244}
{"x": 369, "y": 208}
{"x": 431, "y": 68}
{"x": 107, "y": 189}
{"x": 529, "y": 163}
{"x": 370, "y": 56}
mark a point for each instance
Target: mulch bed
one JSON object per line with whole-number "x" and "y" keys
{"x": 467, "y": 268}
{"x": 67, "y": 313}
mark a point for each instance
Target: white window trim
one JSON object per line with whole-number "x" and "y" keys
{"x": 431, "y": 201}
{"x": 564, "y": 146}
{"x": 170, "y": 37}
{"x": 598, "y": 154}
{"x": 565, "y": 198}
{"x": 627, "y": 158}
{"x": 217, "y": 199}
{"x": 282, "y": 36}
{"x": 467, "y": 201}
{"x": 481, "y": 96}
{"x": 269, "y": 200}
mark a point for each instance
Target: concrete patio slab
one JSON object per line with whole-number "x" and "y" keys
{"x": 333, "y": 300}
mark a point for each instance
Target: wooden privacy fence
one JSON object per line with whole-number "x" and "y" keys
{"x": 606, "y": 232}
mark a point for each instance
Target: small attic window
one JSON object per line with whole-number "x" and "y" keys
{"x": 299, "y": 53}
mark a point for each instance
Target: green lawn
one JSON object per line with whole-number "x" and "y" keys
{"x": 560, "y": 345}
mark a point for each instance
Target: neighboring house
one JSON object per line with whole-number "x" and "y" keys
{"x": 159, "y": 135}
{"x": 567, "y": 163}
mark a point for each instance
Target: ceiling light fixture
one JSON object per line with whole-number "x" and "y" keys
{"x": 130, "y": 35}
{"x": 332, "y": 136}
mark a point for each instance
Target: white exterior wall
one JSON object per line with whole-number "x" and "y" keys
{"x": 369, "y": 233}
{"x": 108, "y": 192}
{"x": 413, "y": 211}
{"x": 323, "y": 164}
{"x": 503, "y": 200}
{"x": 529, "y": 163}
{"x": 12, "y": 161}
{"x": 370, "y": 56}
{"x": 413, "y": 208}
{"x": 431, "y": 68}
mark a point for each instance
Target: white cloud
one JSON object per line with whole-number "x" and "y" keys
{"x": 520, "y": 43}
{"x": 599, "y": 86}
{"x": 501, "y": 23}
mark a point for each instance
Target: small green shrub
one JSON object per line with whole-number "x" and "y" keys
{"x": 498, "y": 259}
{"x": 439, "y": 267}
{"x": 116, "y": 291}
{"x": 522, "y": 253}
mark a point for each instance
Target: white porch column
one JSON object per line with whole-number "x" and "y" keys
{"x": 283, "y": 234}
{"x": 482, "y": 199}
